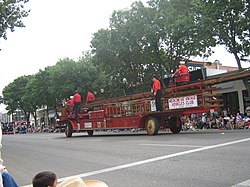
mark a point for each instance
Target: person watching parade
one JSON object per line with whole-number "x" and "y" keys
{"x": 77, "y": 99}
{"x": 157, "y": 93}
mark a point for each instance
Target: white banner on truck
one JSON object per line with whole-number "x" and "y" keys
{"x": 183, "y": 102}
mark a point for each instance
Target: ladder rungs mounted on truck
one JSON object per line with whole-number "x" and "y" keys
{"x": 138, "y": 110}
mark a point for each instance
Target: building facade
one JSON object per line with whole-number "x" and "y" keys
{"x": 234, "y": 94}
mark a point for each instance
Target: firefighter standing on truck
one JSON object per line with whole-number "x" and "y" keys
{"x": 77, "y": 99}
{"x": 182, "y": 70}
{"x": 157, "y": 93}
{"x": 70, "y": 104}
{"x": 90, "y": 97}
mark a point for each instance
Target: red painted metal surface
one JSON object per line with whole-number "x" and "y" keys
{"x": 183, "y": 78}
{"x": 134, "y": 113}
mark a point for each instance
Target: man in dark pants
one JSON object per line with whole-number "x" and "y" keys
{"x": 77, "y": 99}
{"x": 157, "y": 93}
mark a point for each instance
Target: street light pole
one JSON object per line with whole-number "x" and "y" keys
{"x": 217, "y": 63}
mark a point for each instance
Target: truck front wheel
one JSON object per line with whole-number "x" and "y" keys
{"x": 68, "y": 130}
{"x": 152, "y": 126}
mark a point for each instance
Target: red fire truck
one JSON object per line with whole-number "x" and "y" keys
{"x": 137, "y": 111}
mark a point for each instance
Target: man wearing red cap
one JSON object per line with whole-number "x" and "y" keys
{"x": 77, "y": 99}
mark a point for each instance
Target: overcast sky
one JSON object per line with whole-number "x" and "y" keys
{"x": 60, "y": 28}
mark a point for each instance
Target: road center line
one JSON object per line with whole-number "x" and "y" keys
{"x": 243, "y": 184}
{"x": 169, "y": 145}
{"x": 154, "y": 159}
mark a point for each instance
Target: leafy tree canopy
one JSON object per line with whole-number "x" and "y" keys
{"x": 11, "y": 13}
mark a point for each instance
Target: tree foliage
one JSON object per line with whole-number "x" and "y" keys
{"x": 140, "y": 41}
{"x": 14, "y": 92}
{"x": 11, "y": 13}
{"x": 151, "y": 39}
{"x": 230, "y": 20}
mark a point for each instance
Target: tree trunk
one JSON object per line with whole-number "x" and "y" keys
{"x": 57, "y": 116}
{"x": 237, "y": 60}
{"x": 47, "y": 120}
{"x": 245, "y": 80}
{"x": 35, "y": 115}
{"x": 27, "y": 118}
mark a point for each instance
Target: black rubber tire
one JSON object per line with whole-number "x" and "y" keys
{"x": 90, "y": 132}
{"x": 68, "y": 130}
{"x": 152, "y": 126}
{"x": 175, "y": 125}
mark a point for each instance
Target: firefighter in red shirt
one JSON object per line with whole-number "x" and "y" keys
{"x": 77, "y": 99}
{"x": 90, "y": 98}
{"x": 70, "y": 104}
{"x": 181, "y": 74}
{"x": 182, "y": 70}
{"x": 157, "y": 93}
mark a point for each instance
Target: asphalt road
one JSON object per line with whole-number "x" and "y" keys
{"x": 127, "y": 159}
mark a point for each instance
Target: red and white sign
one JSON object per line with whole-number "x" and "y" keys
{"x": 183, "y": 102}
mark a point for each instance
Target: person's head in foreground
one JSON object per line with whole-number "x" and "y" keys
{"x": 45, "y": 179}
{"x": 49, "y": 179}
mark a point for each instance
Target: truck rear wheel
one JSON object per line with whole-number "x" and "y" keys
{"x": 90, "y": 132}
{"x": 152, "y": 126}
{"x": 68, "y": 130}
{"x": 175, "y": 125}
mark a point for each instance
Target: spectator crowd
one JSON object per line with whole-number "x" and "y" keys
{"x": 224, "y": 121}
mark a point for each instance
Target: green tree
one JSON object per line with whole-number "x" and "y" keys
{"x": 87, "y": 74}
{"x": 9, "y": 98}
{"x": 129, "y": 48}
{"x": 13, "y": 95}
{"x": 151, "y": 39}
{"x": 61, "y": 82}
{"x": 182, "y": 34}
{"x": 11, "y": 13}
{"x": 30, "y": 99}
{"x": 37, "y": 93}
{"x": 230, "y": 20}
{"x": 68, "y": 75}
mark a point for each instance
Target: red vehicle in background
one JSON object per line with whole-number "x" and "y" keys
{"x": 137, "y": 111}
